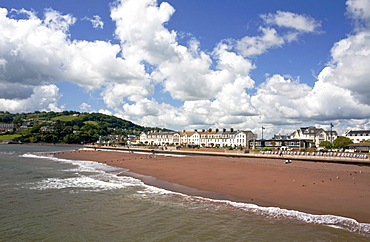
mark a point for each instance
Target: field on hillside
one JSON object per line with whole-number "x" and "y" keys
{"x": 64, "y": 118}
{"x": 9, "y": 136}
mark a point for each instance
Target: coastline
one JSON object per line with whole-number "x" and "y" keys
{"x": 312, "y": 187}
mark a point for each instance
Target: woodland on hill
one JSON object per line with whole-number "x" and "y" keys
{"x": 68, "y": 127}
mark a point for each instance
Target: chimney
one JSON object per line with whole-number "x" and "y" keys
{"x": 209, "y": 130}
{"x": 216, "y": 130}
{"x": 231, "y": 129}
{"x": 203, "y": 130}
{"x": 224, "y": 130}
{"x": 195, "y": 130}
{"x": 183, "y": 130}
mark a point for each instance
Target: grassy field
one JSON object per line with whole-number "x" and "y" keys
{"x": 64, "y": 118}
{"x": 9, "y": 136}
{"x": 92, "y": 123}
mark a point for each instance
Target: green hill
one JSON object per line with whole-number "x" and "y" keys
{"x": 69, "y": 127}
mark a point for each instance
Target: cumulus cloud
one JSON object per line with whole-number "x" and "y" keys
{"x": 349, "y": 67}
{"x": 257, "y": 45}
{"x": 15, "y": 91}
{"x": 44, "y": 97}
{"x": 105, "y": 111}
{"x": 280, "y": 98}
{"x": 291, "y": 20}
{"x": 342, "y": 90}
{"x": 36, "y": 51}
{"x": 140, "y": 27}
{"x": 271, "y": 38}
{"x": 359, "y": 11}
{"x": 114, "y": 94}
{"x": 96, "y": 22}
{"x": 184, "y": 71}
{"x": 84, "y": 107}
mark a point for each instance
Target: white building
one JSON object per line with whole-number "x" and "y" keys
{"x": 358, "y": 135}
{"x": 158, "y": 138}
{"x": 317, "y": 135}
{"x": 204, "y": 138}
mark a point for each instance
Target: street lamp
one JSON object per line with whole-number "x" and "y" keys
{"x": 331, "y": 134}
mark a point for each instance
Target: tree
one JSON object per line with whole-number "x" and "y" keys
{"x": 325, "y": 144}
{"x": 341, "y": 142}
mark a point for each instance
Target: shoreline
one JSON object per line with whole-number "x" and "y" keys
{"x": 311, "y": 187}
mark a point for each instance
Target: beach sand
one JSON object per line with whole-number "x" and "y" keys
{"x": 312, "y": 187}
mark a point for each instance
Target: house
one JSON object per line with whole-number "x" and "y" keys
{"x": 305, "y": 137}
{"x": 8, "y": 127}
{"x": 158, "y": 138}
{"x": 358, "y": 135}
{"x": 46, "y": 129}
{"x": 316, "y": 135}
{"x": 194, "y": 138}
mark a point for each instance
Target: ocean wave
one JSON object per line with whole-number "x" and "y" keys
{"x": 273, "y": 213}
{"x": 101, "y": 176}
{"x": 329, "y": 220}
{"x": 281, "y": 214}
{"x": 84, "y": 183}
{"x": 7, "y": 152}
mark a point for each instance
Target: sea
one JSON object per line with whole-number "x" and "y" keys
{"x": 43, "y": 198}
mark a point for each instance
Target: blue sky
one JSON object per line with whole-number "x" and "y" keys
{"x": 191, "y": 64}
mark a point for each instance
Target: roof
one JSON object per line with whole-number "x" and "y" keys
{"x": 310, "y": 130}
{"x": 188, "y": 133}
{"x": 358, "y": 132}
{"x": 208, "y": 132}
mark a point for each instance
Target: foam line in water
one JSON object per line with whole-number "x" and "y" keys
{"x": 84, "y": 182}
{"x": 281, "y": 214}
{"x": 275, "y": 213}
{"x": 137, "y": 152}
{"x": 103, "y": 177}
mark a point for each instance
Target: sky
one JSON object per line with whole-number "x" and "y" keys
{"x": 191, "y": 64}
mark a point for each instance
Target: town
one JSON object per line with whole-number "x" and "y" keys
{"x": 83, "y": 128}
{"x": 303, "y": 138}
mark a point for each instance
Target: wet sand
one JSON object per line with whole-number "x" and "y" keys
{"x": 312, "y": 187}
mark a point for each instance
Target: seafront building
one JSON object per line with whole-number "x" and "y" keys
{"x": 358, "y": 135}
{"x": 203, "y": 138}
{"x": 305, "y": 137}
{"x": 317, "y": 135}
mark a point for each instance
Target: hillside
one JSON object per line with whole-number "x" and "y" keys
{"x": 68, "y": 127}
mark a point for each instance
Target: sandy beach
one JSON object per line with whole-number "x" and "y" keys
{"x": 312, "y": 187}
